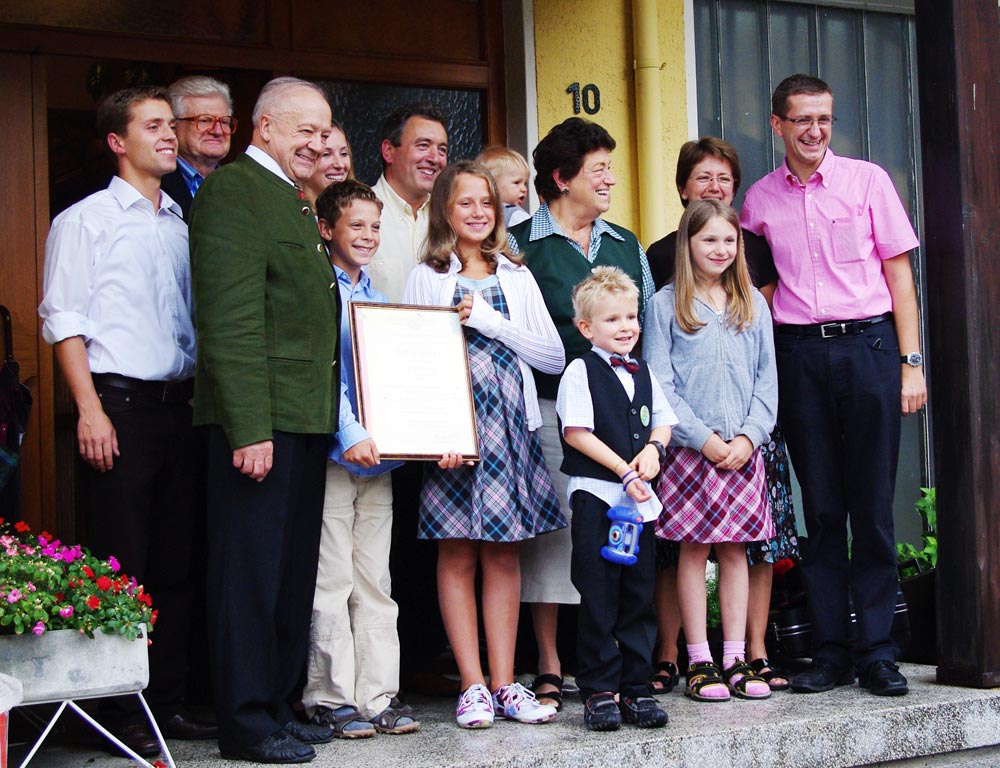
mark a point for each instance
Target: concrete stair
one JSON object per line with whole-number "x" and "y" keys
{"x": 845, "y": 727}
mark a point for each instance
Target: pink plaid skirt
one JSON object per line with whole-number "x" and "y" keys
{"x": 704, "y": 505}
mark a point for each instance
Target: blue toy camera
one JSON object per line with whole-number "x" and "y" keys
{"x": 623, "y": 535}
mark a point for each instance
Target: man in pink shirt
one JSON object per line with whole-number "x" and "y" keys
{"x": 847, "y": 347}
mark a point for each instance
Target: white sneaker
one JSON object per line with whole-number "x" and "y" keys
{"x": 475, "y": 707}
{"x": 515, "y": 702}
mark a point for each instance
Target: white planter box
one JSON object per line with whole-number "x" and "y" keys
{"x": 63, "y": 664}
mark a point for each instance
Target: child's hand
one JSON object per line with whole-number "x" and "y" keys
{"x": 740, "y": 451}
{"x": 453, "y": 460}
{"x": 638, "y": 491}
{"x": 465, "y": 308}
{"x": 715, "y": 449}
{"x": 364, "y": 453}
{"x": 647, "y": 462}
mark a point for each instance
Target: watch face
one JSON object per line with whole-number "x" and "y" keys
{"x": 914, "y": 359}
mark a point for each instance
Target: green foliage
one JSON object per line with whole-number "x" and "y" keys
{"x": 47, "y": 585}
{"x": 912, "y": 560}
{"x": 714, "y": 612}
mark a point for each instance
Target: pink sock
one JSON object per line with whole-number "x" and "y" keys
{"x": 731, "y": 651}
{"x": 698, "y": 652}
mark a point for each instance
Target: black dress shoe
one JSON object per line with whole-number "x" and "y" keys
{"x": 279, "y": 747}
{"x": 186, "y": 729}
{"x": 310, "y": 733}
{"x": 138, "y": 738}
{"x": 883, "y": 678}
{"x": 820, "y": 676}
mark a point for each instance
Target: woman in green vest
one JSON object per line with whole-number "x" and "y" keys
{"x": 561, "y": 244}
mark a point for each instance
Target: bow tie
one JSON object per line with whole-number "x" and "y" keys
{"x": 630, "y": 365}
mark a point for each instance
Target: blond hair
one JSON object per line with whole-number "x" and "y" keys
{"x": 601, "y": 283}
{"x": 499, "y": 159}
{"x": 735, "y": 280}
{"x": 441, "y": 238}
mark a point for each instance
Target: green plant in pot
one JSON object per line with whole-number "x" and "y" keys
{"x": 913, "y": 561}
{"x": 916, "y": 571}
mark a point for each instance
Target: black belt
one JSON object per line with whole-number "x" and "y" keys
{"x": 837, "y": 328}
{"x": 161, "y": 391}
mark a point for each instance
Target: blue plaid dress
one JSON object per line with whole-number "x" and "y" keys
{"x": 507, "y": 495}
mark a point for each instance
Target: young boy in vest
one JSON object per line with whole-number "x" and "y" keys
{"x": 614, "y": 421}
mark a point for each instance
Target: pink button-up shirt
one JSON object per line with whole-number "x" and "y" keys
{"x": 829, "y": 237}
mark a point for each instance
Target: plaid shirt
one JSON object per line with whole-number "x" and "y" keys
{"x": 543, "y": 225}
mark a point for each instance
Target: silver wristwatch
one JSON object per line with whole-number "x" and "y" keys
{"x": 914, "y": 359}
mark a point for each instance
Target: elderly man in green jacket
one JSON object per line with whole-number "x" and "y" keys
{"x": 267, "y": 388}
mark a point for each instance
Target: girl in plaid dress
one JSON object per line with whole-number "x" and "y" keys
{"x": 478, "y": 512}
{"x": 709, "y": 343}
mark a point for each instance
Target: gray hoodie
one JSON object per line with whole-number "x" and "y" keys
{"x": 716, "y": 380}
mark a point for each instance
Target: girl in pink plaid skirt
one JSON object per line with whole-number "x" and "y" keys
{"x": 709, "y": 343}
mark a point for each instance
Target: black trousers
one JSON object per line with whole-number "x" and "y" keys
{"x": 142, "y": 512}
{"x": 840, "y": 409}
{"x": 617, "y": 622}
{"x": 262, "y": 560}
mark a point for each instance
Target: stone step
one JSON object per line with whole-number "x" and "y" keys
{"x": 841, "y": 728}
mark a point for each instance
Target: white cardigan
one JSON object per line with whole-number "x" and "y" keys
{"x": 530, "y": 332}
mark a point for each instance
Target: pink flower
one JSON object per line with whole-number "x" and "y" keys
{"x": 14, "y": 596}
{"x": 113, "y": 562}
{"x": 31, "y": 587}
{"x": 38, "y": 629}
{"x": 66, "y": 611}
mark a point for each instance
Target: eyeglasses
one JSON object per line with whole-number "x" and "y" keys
{"x": 806, "y": 122}
{"x": 705, "y": 180}
{"x": 206, "y": 123}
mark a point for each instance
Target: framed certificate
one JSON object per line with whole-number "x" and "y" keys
{"x": 414, "y": 387}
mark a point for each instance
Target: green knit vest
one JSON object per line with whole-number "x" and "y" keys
{"x": 557, "y": 267}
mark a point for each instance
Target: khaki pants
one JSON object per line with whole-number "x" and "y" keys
{"x": 354, "y": 648}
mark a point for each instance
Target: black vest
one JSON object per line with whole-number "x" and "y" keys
{"x": 617, "y": 421}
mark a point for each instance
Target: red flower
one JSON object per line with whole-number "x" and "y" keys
{"x": 145, "y": 598}
{"x": 93, "y": 602}
{"x": 103, "y": 583}
{"x": 153, "y": 617}
{"x": 88, "y": 571}
{"x": 59, "y": 597}
{"x": 21, "y": 527}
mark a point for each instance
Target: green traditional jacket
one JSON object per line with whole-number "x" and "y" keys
{"x": 267, "y": 308}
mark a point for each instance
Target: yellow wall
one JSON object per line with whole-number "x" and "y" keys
{"x": 590, "y": 41}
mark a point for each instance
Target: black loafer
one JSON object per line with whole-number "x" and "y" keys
{"x": 138, "y": 738}
{"x": 820, "y": 676}
{"x": 310, "y": 733}
{"x": 186, "y": 729}
{"x": 600, "y": 713}
{"x": 642, "y": 711}
{"x": 279, "y": 747}
{"x": 883, "y": 678}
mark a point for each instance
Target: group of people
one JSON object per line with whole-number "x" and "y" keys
{"x": 226, "y": 286}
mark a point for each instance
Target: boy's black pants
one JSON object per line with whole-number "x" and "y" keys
{"x": 617, "y": 624}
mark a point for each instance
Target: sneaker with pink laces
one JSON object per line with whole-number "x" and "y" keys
{"x": 475, "y": 707}
{"x": 515, "y": 702}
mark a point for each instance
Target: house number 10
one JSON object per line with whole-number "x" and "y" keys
{"x": 589, "y": 97}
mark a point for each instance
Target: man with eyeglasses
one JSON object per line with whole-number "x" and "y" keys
{"x": 267, "y": 387}
{"x": 847, "y": 346}
{"x": 205, "y": 125}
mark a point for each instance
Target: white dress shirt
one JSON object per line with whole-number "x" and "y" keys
{"x": 117, "y": 273}
{"x": 576, "y": 409}
{"x": 403, "y": 239}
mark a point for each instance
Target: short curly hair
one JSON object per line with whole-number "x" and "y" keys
{"x": 563, "y": 150}
{"x": 600, "y": 283}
